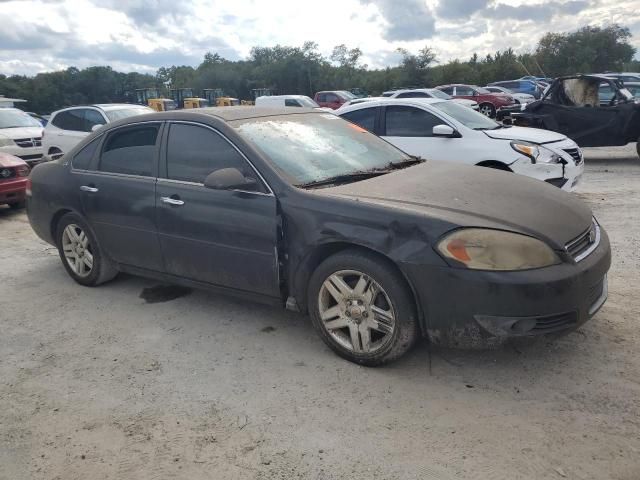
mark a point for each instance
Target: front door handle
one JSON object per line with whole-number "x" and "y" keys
{"x": 87, "y": 188}
{"x": 174, "y": 200}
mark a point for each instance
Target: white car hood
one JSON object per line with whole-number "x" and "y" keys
{"x": 533, "y": 135}
{"x": 21, "y": 132}
{"x": 465, "y": 102}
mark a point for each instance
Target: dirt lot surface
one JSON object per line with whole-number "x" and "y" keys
{"x": 100, "y": 383}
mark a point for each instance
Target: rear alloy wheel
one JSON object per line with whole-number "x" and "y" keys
{"x": 487, "y": 110}
{"x": 362, "y": 309}
{"x": 80, "y": 253}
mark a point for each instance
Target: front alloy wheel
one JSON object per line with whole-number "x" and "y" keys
{"x": 488, "y": 110}
{"x": 362, "y": 307}
{"x": 356, "y": 311}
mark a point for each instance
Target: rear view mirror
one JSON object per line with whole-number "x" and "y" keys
{"x": 229, "y": 179}
{"x": 444, "y": 131}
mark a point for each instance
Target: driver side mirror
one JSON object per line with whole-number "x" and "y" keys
{"x": 230, "y": 179}
{"x": 95, "y": 127}
{"x": 445, "y": 131}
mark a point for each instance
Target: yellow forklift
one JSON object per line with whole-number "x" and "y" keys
{"x": 216, "y": 98}
{"x": 151, "y": 98}
{"x": 195, "y": 102}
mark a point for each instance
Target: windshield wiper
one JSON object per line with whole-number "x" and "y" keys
{"x": 412, "y": 160}
{"x": 346, "y": 178}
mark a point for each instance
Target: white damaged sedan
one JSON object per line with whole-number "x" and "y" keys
{"x": 443, "y": 130}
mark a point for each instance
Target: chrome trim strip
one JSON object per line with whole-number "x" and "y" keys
{"x": 580, "y": 238}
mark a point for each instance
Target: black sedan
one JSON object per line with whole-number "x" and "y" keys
{"x": 302, "y": 209}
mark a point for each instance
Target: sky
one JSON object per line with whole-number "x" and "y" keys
{"x": 143, "y": 35}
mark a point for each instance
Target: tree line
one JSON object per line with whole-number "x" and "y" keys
{"x": 303, "y": 70}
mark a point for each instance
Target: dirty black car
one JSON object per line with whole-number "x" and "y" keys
{"x": 305, "y": 210}
{"x": 575, "y": 106}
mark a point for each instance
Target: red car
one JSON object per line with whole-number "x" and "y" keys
{"x": 14, "y": 176}
{"x": 333, "y": 99}
{"x": 488, "y": 102}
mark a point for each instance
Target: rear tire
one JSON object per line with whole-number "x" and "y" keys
{"x": 80, "y": 253}
{"x": 362, "y": 308}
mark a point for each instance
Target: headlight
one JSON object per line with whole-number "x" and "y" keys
{"x": 6, "y": 141}
{"x": 485, "y": 249}
{"x": 536, "y": 153}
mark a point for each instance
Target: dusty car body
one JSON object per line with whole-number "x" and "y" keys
{"x": 325, "y": 218}
{"x": 572, "y": 106}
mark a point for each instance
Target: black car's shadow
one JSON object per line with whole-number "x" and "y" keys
{"x": 7, "y": 212}
{"x": 533, "y": 358}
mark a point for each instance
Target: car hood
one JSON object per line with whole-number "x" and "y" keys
{"x": 21, "y": 132}
{"x": 534, "y": 135}
{"x": 464, "y": 101}
{"x": 470, "y": 196}
{"x": 7, "y": 160}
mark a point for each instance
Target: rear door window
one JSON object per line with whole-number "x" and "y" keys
{"x": 71, "y": 120}
{"x": 365, "y": 117}
{"x": 131, "y": 151}
{"x": 410, "y": 122}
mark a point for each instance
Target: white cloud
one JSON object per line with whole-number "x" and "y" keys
{"x": 142, "y": 35}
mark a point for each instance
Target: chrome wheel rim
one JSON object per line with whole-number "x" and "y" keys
{"x": 77, "y": 250}
{"x": 356, "y": 312}
{"x": 486, "y": 110}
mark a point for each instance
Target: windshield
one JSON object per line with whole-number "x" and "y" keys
{"x": 315, "y": 147}
{"x": 346, "y": 94}
{"x": 307, "y": 102}
{"x": 465, "y": 115}
{"x": 114, "y": 115}
{"x": 435, "y": 93}
{"x": 16, "y": 119}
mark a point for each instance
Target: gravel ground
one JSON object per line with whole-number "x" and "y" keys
{"x": 100, "y": 383}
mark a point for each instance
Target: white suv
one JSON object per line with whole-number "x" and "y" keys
{"x": 20, "y": 135}
{"x": 444, "y": 130}
{"x": 68, "y": 126}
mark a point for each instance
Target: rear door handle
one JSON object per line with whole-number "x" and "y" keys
{"x": 172, "y": 201}
{"x": 86, "y": 188}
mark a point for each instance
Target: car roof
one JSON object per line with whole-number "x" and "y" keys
{"x": 276, "y": 97}
{"x": 229, "y": 114}
{"x": 392, "y": 101}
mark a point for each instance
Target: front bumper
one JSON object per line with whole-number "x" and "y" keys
{"x": 461, "y": 306}
{"x": 566, "y": 177}
{"x": 13, "y": 191}
{"x": 31, "y": 155}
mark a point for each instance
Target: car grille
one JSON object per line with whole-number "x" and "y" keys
{"x": 576, "y": 154}
{"x": 554, "y": 323}
{"x": 580, "y": 247}
{"x": 29, "y": 142}
{"x": 7, "y": 173}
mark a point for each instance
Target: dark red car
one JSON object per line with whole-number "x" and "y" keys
{"x": 333, "y": 99}
{"x": 14, "y": 176}
{"x": 488, "y": 102}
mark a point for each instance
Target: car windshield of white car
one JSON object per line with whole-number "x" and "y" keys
{"x": 435, "y": 93}
{"x": 119, "y": 114}
{"x": 467, "y": 116}
{"x": 312, "y": 148}
{"x": 16, "y": 119}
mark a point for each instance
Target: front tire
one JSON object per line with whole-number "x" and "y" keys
{"x": 362, "y": 308}
{"x": 487, "y": 109}
{"x": 80, "y": 253}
